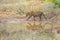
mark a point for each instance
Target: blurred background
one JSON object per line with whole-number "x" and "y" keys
{"x": 14, "y": 26}
{"x": 15, "y": 8}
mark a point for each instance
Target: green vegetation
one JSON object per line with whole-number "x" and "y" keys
{"x": 49, "y": 0}
{"x": 56, "y": 3}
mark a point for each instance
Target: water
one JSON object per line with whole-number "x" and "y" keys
{"x": 27, "y": 30}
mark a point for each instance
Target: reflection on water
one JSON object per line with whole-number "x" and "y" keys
{"x": 34, "y": 26}
{"x": 39, "y": 25}
{"x": 24, "y": 30}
